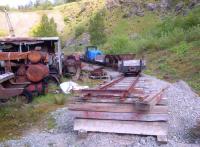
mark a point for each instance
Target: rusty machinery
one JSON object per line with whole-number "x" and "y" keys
{"x": 33, "y": 60}
{"x": 72, "y": 66}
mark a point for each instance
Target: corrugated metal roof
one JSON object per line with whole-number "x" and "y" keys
{"x": 26, "y": 39}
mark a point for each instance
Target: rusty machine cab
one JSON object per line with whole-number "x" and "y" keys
{"x": 50, "y": 45}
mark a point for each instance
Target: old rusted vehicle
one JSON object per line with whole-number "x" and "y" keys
{"x": 32, "y": 60}
{"x": 9, "y": 88}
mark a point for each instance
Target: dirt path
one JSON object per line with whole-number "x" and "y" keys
{"x": 26, "y": 20}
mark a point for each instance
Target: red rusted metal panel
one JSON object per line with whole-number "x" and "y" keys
{"x": 6, "y": 93}
{"x": 6, "y": 56}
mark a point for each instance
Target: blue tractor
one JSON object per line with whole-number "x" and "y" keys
{"x": 91, "y": 52}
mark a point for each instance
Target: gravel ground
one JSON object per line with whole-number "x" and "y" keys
{"x": 184, "y": 110}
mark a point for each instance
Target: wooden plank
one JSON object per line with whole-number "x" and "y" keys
{"x": 163, "y": 101}
{"x": 109, "y": 107}
{"x": 124, "y": 127}
{"x": 162, "y": 139}
{"x": 148, "y": 103}
{"x": 119, "y": 116}
{"x": 147, "y": 106}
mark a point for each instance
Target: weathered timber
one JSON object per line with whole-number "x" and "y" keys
{"x": 120, "y": 116}
{"x": 150, "y": 101}
{"x": 162, "y": 139}
{"x": 130, "y": 100}
{"x": 7, "y": 56}
{"x": 124, "y": 127}
{"x": 109, "y": 107}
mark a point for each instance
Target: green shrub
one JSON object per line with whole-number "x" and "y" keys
{"x": 59, "y": 100}
{"x": 171, "y": 23}
{"x": 97, "y": 29}
{"x": 181, "y": 48}
{"x": 121, "y": 44}
{"x": 193, "y": 34}
{"x": 66, "y": 19}
{"x": 79, "y": 31}
{"x": 46, "y": 28}
{"x": 3, "y": 33}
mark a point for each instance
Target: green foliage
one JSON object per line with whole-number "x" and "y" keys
{"x": 121, "y": 44}
{"x": 79, "y": 31}
{"x": 173, "y": 22}
{"x": 97, "y": 29}
{"x": 51, "y": 123}
{"x": 180, "y": 49}
{"x": 46, "y": 28}
{"x": 172, "y": 31}
{"x": 3, "y": 33}
{"x": 59, "y": 100}
{"x": 171, "y": 46}
{"x": 66, "y": 19}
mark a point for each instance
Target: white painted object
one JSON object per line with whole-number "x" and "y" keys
{"x": 68, "y": 86}
{"x": 131, "y": 62}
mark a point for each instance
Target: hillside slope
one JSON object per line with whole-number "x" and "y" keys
{"x": 170, "y": 43}
{"x": 67, "y": 17}
{"x": 24, "y": 21}
{"x": 167, "y": 39}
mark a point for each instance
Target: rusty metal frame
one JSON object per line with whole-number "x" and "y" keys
{"x": 111, "y": 93}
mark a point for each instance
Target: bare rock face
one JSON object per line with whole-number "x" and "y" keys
{"x": 165, "y": 4}
{"x": 151, "y": 6}
{"x": 193, "y": 3}
{"x": 110, "y": 4}
{"x": 179, "y": 7}
{"x": 84, "y": 40}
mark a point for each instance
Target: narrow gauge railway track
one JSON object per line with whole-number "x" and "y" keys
{"x": 120, "y": 87}
{"x": 124, "y": 88}
{"x": 127, "y": 105}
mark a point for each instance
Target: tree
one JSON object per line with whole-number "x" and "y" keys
{"x": 46, "y": 28}
{"x": 97, "y": 29}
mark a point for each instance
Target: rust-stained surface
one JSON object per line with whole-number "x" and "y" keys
{"x": 7, "y": 92}
{"x": 121, "y": 101}
{"x": 72, "y": 66}
{"x": 112, "y": 89}
{"x": 31, "y": 60}
{"x": 6, "y": 56}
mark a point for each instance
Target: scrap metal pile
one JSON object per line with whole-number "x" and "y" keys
{"x": 31, "y": 62}
{"x": 127, "y": 105}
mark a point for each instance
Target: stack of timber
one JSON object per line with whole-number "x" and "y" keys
{"x": 139, "y": 108}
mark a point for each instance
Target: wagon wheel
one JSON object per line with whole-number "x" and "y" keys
{"x": 26, "y": 97}
{"x": 3, "y": 100}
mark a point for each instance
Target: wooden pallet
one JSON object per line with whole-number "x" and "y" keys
{"x": 120, "y": 118}
{"x": 141, "y": 113}
{"x": 158, "y": 129}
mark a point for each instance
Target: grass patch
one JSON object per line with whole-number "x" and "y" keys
{"x": 51, "y": 123}
{"x": 15, "y": 118}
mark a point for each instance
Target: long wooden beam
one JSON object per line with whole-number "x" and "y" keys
{"x": 109, "y": 107}
{"x": 119, "y": 116}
